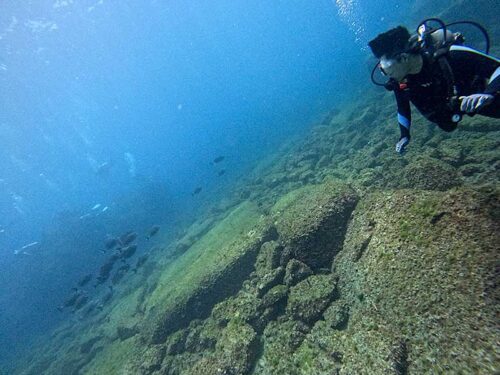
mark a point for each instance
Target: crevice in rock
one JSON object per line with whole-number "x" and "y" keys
{"x": 362, "y": 248}
{"x": 399, "y": 358}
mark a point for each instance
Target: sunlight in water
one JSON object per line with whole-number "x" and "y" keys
{"x": 349, "y": 14}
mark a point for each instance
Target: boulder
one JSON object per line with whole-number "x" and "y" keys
{"x": 234, "y": 354}
{"x": 213, "y": 269}
{"x": 269, "y": 256}
{"x": 275, "y": 296}
{"x": 430, "y": 174}
{"x": 296, "y": 271}
{"x": 311, "y": 221}
{"x": 270, "y": 280}
{"x": 424, "y": 288}
{"x": 337, "y": 315}
{"x": 309, "y": 298}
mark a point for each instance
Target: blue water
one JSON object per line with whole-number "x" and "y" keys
{"x": 125, "y": 105}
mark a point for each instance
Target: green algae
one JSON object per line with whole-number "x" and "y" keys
{"x": 419, "y": 291}
{"x": 311, "y": 221}
{"x": 200, "y": 275}
{"x": 310, "y": 297}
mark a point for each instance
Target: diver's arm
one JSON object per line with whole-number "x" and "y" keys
{"x": 479, "y": 63}
{"x": 475, "y": 102}
{"x": 404, "y": 120}
{"x": 484, "y": 66}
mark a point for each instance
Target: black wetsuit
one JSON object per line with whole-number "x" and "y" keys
{"x": 429, "y": 90}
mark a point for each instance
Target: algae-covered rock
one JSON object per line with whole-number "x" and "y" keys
{"x": 430, "y": 174}
{"x": 337, "y": 314}
{"x": 244, "y": 306}
{"x": 275, "y": 296}
{"x": 201, "y": 336}
{"x": 269, "y": 256}
{"x": 296, "y": 271}
{"x": 309, "y": 298}
{"x": 213, "y": 269}
{"x": 152, "y": 358}
{"x": 175, "y": 343}
{"x": 423, "y": 286}
{"x": 270, "y": 280}
{"x": 281, "y": 338}
{"x": 312, "y": 221}
{"x": 235, "y": 352}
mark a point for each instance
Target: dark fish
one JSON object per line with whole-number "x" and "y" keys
{"x": 81, "y": 301}
{"x": 196, "y": 191}
{"x": 124, "y": 268}
{"x": 128, "y": 251}
{"x": 110, "y": 243}
{"x": 71, "y": 300}
{"x": 91, "y": 307}
{"x": 85, "y": 280}
{"x": 218, "y": 159}
{"x": 106, "y": 268}
{"x": 221, "y": 172}
{"x": 128, "y": 238}
{"x": 107, "y": 296}
{"x": 140, "y": 262}
{"x": 120, "y": 272}
{"x": 154, "y": 229}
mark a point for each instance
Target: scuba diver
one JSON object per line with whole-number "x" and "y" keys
{"x": 438, "y": 74}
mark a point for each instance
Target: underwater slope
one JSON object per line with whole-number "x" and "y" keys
{"x": 342, "y": 257}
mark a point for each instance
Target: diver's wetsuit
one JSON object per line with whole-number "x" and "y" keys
{"x": 428, "y": 90}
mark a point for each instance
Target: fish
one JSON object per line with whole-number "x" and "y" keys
{"x": 71, "y": 300}
{"x": 154, "y": 229}
{"x": 105, "y": 209}
{"x": 23, "y": 249}
{"x": 96, "y": 207}
{"x": 142, "y": 259}
{"x": 106, "y": 297}
{"x": 81, "y": 301}
{"x": 19, "y": 251}
{"x": 84, "y": 280}
{"x": 120, "y": 272}
{"x": 128, "y": 238}
{"x": 218, "y": 159}
{"x": 91, "y": 307}
{"x": 106, "y": 269}
{"x": 221, "y": 172}
{"x": 128, "y": 251}
{"x": 196, "y": 191}
{"x": 110, "y": 243}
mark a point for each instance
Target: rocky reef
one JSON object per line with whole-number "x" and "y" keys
{"x": 336, "y": 256}
{"x": 344, "y": 258}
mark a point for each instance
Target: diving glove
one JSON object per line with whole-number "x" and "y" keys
{"x": 473, "y": 103}
{"x": 401, "y": 145}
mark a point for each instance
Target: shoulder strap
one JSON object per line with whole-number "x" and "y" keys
{"x": 444, "y": 64}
